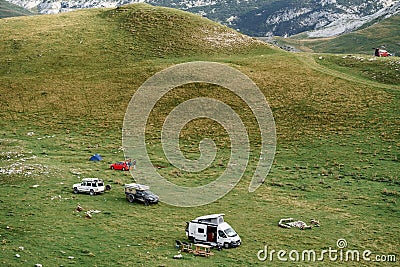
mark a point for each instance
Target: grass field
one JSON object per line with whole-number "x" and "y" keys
{"x": 65, "y": 83}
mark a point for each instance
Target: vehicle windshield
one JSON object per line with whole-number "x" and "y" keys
{"x": 100, "y": 184}
{"x": 148, "y": 193}
{"x": 230, "y": 232}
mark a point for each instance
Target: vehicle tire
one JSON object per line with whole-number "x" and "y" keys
{"x": 108, "y": 187}
{"x": 130, "y": 198}
{"x": 91, "y": 192}
{"x": 226, "y": 245}
{"x": 76, "y": 190}
{"x": 123, "y": 168}
{"x": 112, "y": 167}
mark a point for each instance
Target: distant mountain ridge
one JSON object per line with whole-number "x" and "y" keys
{"x": 256, "y": 17}
{"x": 8, "y": 9}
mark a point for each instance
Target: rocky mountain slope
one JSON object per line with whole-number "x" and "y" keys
{"x": 385, "y": 35}
{"x": 8, "y": 9}
{"x": 257, "y": 17}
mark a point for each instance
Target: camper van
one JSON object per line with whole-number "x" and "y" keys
{"x": 212, "y": 230}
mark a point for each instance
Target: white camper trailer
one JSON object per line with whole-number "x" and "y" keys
{"x": 212, "y": 230}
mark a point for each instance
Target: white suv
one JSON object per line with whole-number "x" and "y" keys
{"x": 89, "y": 185}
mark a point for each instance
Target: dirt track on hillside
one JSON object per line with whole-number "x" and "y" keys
{"x": 309, "y": 60}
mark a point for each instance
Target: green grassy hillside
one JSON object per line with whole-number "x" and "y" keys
{"x": 384, "y": 34}
{"x": 8, "y": 9}
{"x": 66, "y": 81}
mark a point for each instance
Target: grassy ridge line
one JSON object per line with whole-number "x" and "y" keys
{"x": 164, "y": 32}
{"x": 80, "y": 50}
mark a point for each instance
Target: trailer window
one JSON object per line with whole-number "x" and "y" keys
{"x": 200, "y": 230}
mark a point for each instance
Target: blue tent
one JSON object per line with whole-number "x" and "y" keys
{"x": 96, "y": 157}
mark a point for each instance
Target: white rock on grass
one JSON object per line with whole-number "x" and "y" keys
{"x": 179, "y": 256}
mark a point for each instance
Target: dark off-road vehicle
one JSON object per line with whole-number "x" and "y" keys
{"x": 141, "y": 193}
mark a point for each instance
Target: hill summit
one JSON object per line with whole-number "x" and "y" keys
{"x": 159, "y": 31}
{"x": 138, "y": 30}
